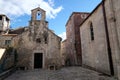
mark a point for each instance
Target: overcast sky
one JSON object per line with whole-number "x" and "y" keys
{"x": 57, "y": 11}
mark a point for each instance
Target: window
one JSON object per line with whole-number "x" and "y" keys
{"x": 91, "y": 31}
{"x": 38, "y": 40}
{"x": 45, "y": 37}
{"x": 7, "y": 42}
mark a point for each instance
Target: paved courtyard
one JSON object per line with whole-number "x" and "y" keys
{"x": 67, "y": 73}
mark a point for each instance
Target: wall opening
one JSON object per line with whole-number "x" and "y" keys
{"x": 0, "y": 17}
{"x": 45, "y": 37}
{"x": 38, "y": 15}
{"x": 91, "y": 31}
{"x": 7, "y": 19}
{"x": 7, "y": 42}
{"x": 38, "y": 40}
{"x": 38, "y": 60}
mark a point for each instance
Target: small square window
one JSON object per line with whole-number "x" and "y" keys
{"x": 7, "y": 42}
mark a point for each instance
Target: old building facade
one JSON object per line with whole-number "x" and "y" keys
{"x": 73, "y": 42}
{"x": 100, "y": 38}
{"x": 37, "y": 46}
{"x": 7, "y": 54}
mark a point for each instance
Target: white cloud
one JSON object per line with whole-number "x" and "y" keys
{"x": 63, "y": 35}
{"x": 17, "y": 8}
{"x": 51, "y": 2}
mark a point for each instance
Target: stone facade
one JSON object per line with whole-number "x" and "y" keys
{"x": 100, "y": 38}
{"x": 37, "y": 46}
{"x": 40, "y": 41}
{"x": 6, "y": 39}
{"x": 8, "y": 59}
{"x": 63, "y": 52}
{"x": 73, "y": 38}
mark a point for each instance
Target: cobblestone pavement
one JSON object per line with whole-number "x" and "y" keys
{"x": 68, "y": 73}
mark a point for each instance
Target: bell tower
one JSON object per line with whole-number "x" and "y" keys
{"x": 37, "y": 24}
{"x": 38, "y": 15}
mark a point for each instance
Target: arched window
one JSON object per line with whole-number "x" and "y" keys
{"x": 38, "y": 15}
{"x": 91, "y": 31}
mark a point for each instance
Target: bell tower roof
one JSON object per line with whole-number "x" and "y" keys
{"x": 38, "y": 8}
{"x": 38, "y": 12}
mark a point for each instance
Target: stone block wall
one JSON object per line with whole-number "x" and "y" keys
{"x": 94, "y": 52}
{"x": 113, "y": 19}
{"x": 26, "y": 46}
{"x": 73, "y": 43}
{"x": 8, "y": 60}
{"x": 3, "y": 39}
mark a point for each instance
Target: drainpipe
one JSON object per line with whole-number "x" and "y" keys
{"x": 107, "y": 39}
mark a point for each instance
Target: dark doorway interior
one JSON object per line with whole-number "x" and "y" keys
{"x": 38, "y": 59}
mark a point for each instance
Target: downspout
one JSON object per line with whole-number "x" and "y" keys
{"x": 107, "y": 39}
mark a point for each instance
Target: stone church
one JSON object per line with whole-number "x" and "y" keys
{"x": 37, "y": 46}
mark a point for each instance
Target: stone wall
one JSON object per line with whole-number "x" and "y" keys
{"x": 70, "y": 47}
{"x": 38, "y": 38}
{"x": 113, "y": 19}
{"x": 117, "y": 16}
{"x": 78, "y": 19}
{"x": 3, "y": 39}
{"x": 94, "y": 52}
{"x": 63, "y": 52}
{"x": 8, "y": 60}
{"x": 73, "y": 43}
{"x": 26, "y": 46}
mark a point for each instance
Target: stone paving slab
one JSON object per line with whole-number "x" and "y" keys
{"x": 68, "y": 73}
